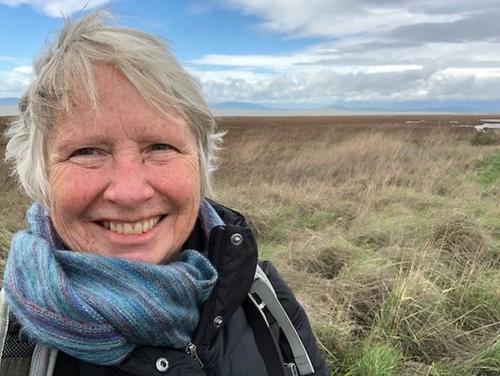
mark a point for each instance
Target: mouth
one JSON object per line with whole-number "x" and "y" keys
{"x": 132, "y": 228}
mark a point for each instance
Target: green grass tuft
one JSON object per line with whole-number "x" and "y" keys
{"x": 377, "y": 359}
{"x": 488, "y": 170}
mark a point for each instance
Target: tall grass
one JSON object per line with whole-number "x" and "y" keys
{"x": 389, "y": 234}
{"x": 12, "y": 204}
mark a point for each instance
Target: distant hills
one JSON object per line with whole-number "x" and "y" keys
{"x": 8, "y": 101}
{"x": 240, "y": 106}
{"x": 461, "y": 107}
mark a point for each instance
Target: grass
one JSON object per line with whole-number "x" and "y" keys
{"x": 13, "y": 205}
{"x": 377, "y": 359}
{"x": 389, "y": 233}
{"x": 488, "y": 169}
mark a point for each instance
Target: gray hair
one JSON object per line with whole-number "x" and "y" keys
{"x": 142, "y": 58}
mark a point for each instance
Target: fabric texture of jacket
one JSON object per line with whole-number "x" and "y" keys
{"x": 225, "y": 342}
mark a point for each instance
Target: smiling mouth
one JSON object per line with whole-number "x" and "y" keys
{"x": 132, "y": 228}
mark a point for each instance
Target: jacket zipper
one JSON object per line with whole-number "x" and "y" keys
{"x": 192, "y": 350}
{"x": 214, "y": 257}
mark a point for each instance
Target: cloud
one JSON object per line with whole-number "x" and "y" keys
{"x": 57, "y": 8}
{"x": 341, "y": 17}
{"x": 268, "y": 61}
{"x": 15, "y": 81}
{"x": 24, "y": 69}
{"x": 366, "y": 50}
{"x": 482, "y": 26}
{"x": 323, "y": 87}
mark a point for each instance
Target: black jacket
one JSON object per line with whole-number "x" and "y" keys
{"x": 225, "y": 341}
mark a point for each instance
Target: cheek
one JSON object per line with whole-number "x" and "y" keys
{"x": 182, "y": 190}
{"x": 180, "y": 187}
{"x": 179, "y": 182}
{"x": 70, "y": 191}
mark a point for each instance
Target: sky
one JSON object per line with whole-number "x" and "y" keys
{"x": 293, "y": 53}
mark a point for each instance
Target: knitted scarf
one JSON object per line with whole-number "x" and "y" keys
{"x": 99, "y": 308}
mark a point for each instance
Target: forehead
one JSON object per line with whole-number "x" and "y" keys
{"x": 118, "y": 108}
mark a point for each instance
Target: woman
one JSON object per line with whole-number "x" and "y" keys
{"x": 125, "y": 267}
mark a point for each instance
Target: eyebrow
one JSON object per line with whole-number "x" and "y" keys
{"x": 66, "y": 142}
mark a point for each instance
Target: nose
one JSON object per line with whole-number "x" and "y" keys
{"x": 129, "y": 185}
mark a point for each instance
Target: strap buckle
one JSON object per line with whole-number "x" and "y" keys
{"x": 292, "y": 369}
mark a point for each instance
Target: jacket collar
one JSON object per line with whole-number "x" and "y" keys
{"x": 233, "y": 252}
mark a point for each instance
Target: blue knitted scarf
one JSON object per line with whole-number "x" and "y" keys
{"x": 99, "y": 308}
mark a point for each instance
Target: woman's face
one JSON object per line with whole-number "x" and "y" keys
{"x": 123, "y": 180}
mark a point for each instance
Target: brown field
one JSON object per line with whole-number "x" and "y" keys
{"x": 388, "y": 232}
{"x": 383, "y": 229}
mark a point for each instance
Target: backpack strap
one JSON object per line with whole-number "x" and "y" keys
{"x": 43, "y": 359}
{"x": 4, "y": 322}
{"x": 266, "y": 343}
{"x": 263, "y": 288}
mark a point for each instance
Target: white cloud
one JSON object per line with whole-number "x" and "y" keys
{"x": 268, "y": 61}
{"x": 224, "y": 75}
{"x": 326, "y": 86}
{"x": 24, "y": 69}
{"x": 343, "y": 71}
{"x": 340, "y": 17}
{"x": 370, "y": 50}
{"x": 58, "y": 8}
{"x": 15, "y": 81}
{"x": 480, "y": 73}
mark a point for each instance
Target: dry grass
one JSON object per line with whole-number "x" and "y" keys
{"x": 385, "y": 232}
{"x": 388, "y": 232}
{"x": 12, "y": 204}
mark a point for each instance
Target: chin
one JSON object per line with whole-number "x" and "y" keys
{"x": 143, "y": 257}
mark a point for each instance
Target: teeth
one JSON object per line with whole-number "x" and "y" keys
{"x": 127, "y": 228}
{"x": 131, "y": 228}
{"x": 137, "y": 227}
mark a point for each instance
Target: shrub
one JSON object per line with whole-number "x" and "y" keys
{"x": 485, "y": 137}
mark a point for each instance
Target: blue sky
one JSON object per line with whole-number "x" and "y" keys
{"x": 294, "y": 53}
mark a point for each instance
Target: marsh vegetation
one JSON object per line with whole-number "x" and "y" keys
{"x": 389, "y": 233}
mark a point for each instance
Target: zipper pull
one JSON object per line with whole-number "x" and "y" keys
{"x": 192, "y": 350}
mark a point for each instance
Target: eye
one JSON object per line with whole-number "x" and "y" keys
{"x": 161, "y": 147}
{"x": 85, "y": 152}
{"x": 160, "y": 153}
{"x": 88, "y": 156}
